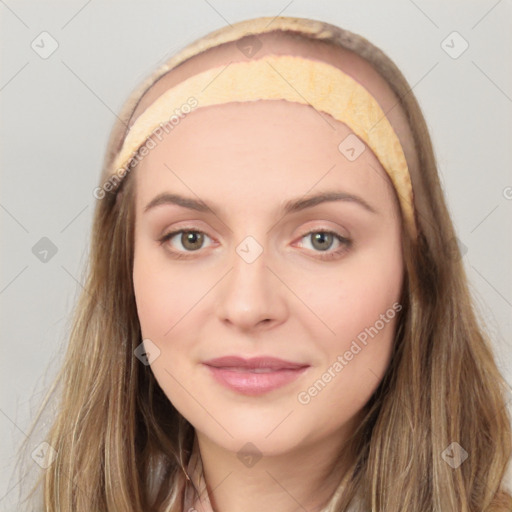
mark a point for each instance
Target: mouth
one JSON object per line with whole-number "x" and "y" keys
{"x": 254, "y": 376}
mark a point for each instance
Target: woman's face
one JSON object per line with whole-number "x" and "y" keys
{"x": 256, "y": 278}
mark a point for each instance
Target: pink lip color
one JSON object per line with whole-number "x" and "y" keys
{"x": 239, "y": 374}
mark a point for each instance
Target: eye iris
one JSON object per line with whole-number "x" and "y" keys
{"x": 192, "y": 237}
{"x": 193, "y": 240}
{"x": 321, "y": 237}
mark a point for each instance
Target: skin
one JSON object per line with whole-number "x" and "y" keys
{"x": 246, "y": 160}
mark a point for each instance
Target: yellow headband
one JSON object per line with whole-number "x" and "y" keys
{"x": 272, "y": 77}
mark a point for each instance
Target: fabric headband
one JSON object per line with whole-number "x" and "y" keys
{"x": 273, "y": 77}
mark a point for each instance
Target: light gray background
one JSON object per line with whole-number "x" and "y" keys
{"x": 56, "y": 114}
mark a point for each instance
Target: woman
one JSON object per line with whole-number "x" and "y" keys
{"x": 275, "y": 313}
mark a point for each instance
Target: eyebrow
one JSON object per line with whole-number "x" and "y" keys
{"x": 291, "y": 206}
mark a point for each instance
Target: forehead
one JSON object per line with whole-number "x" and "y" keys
{"x": 259, "y": 154}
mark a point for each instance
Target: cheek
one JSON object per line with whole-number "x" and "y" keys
{"x": 355, "y": 358}
{"x": 359, "y": 311}
{"x": 354, "y": 299}
{"x": 162, "y": 297}
{"x": 152, "y": 298}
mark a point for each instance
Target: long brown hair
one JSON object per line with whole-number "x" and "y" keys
{"x": 121, "y": 445}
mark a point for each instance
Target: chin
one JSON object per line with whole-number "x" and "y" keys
{"x": 264, "y": 436}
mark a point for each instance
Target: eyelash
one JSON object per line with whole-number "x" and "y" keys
{"x": 346, "y": 243}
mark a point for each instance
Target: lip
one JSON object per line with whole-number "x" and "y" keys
{"x": 256, "y": 375}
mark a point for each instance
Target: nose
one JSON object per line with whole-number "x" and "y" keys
{"x": 251, "y": 296}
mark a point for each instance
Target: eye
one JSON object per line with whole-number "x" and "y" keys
{"x": 191, "y": 240}
{"x": 322, "y": 241}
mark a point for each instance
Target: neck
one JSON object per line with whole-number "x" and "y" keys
{"x": 304, "y": 479}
